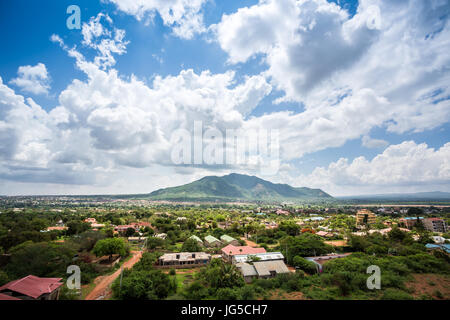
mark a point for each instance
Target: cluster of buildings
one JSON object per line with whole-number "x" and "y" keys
{"x": 252, "y": 262}
{"x": 212, "y": 242}
{"x": 431, "y": 224}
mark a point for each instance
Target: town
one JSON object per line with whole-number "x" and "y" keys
{"x": 231, "y": 251}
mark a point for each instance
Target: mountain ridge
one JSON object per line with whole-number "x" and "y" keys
{"x": 237, "y": 187}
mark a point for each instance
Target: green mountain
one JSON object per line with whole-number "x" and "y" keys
{"x": 234, "y": 187}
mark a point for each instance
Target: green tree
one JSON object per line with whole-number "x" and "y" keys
{"x": 76, "y": 227}
{"x": 130, "y": 232}
{"x": 3, "y": 278}
{"x": 144, "y": 285}
{"x": 219, "y": 274}
{"x": 305, "y": 265}
{"x": 191, "y": 245}
{"x": 153, "y": 243}
{"x": 111, "y": 246}
{"x": 39, "y": 259}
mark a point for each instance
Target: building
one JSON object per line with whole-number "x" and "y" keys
{"x": 161, "y": 236}
{"x": 435, "y": 225}
{"x": 409, "y": 222}
{"x": 125, "y": 227}
{"x": 262, "y": 269}
{"x": 438, "y": 239}
{"x": 324, "y": 234}
{"x": 229, "y": 251}
{"x": 90, "y": 220}
{"x": 6, "y": 297}
{"x": 445, "y": 247}
{"x": 268, "y": 256}
{"x": 194, "y": 237}
{"x": 211, "y": 241}
{"x": 184, "y": 259}
{"x": 320, "y": 260}
{"x": 137, "y": 239}
{"x": 282, "y": 212}
{"x": 229, "y": 240}
{"x": 33, "y": 288}
{"x": 57, "y": 228}
{"x": 364, "y": 217}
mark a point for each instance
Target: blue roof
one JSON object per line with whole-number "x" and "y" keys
{"x": 445, "y": 247}
{"x": 411, "y": 218}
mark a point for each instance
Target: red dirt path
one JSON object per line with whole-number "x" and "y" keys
{"x": 104, "y": 282}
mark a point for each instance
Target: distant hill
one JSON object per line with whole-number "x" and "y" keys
{"x": 234, "y": 187}
{"x": 418, "y": 196}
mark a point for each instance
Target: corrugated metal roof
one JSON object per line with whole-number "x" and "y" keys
{"x": 211, "y": 239}
{"x": 33, "y": 286}
{"x": 263, "y": 268}
{"x": 247, "y": 270}
{"x": 227, "y": 238}
{"x": 196, "y": 238}
{"x": 262, "y": 256}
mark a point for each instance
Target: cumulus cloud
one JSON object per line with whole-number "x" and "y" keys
{"x": 352, "y": 74}
{"x": 33, "y": 79}
{"x": 317, "y": 54}
{"x": 406, "y": 166}
{"x": 109, "y": 123}
{"x": 326, "y": 125}
{"x": 183, "y": 16}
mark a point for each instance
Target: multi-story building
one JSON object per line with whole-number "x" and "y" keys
{"x": 410, "y": 222}
{"x": 364, "y": 217}
{"x": 435, "y": 224}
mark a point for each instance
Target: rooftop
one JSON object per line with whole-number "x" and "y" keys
{"x": 33, "y": 286}
{"x": 227, "y": 238}
{"x": 185, "y": 256}
{"x": 195, "y": 238}
{"x": 210, "y": 239}
{"x": 234, "y": 250}
{"x": 7, "y": 297}
{"x": 263, "y": 268}
{"x": 240, "y": 258}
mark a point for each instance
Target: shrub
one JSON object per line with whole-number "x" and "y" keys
{"x": 305, "y": 265}
{"x": 395, "y": 294}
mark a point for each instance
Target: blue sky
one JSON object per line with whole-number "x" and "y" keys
{"x": 339, "y": 79}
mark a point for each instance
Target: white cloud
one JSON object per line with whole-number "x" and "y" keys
{"x": 404, "y": 167}
{"x": 369, "y": 142}
{"x": 112, "y": 131}
{"x": 33, "y": 79}
{"x": 104, "y": 41}
{"x": 183, "y": 16}
{"x": 108, "y": 126}
{"x": 325, "y": 126}
{"x": 317, "y": 54}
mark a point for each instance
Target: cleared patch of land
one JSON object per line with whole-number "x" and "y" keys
{"x": 432, "y": 285}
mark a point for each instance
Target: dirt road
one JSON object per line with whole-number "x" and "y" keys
{"x": 102, "y": 288}
{"x": 250, "y": 243}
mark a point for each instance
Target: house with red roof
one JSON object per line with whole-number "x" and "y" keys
{"x": 32, "y": 288}
{"x": 6, "y": 297}
{"x": 229, "y": 251}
